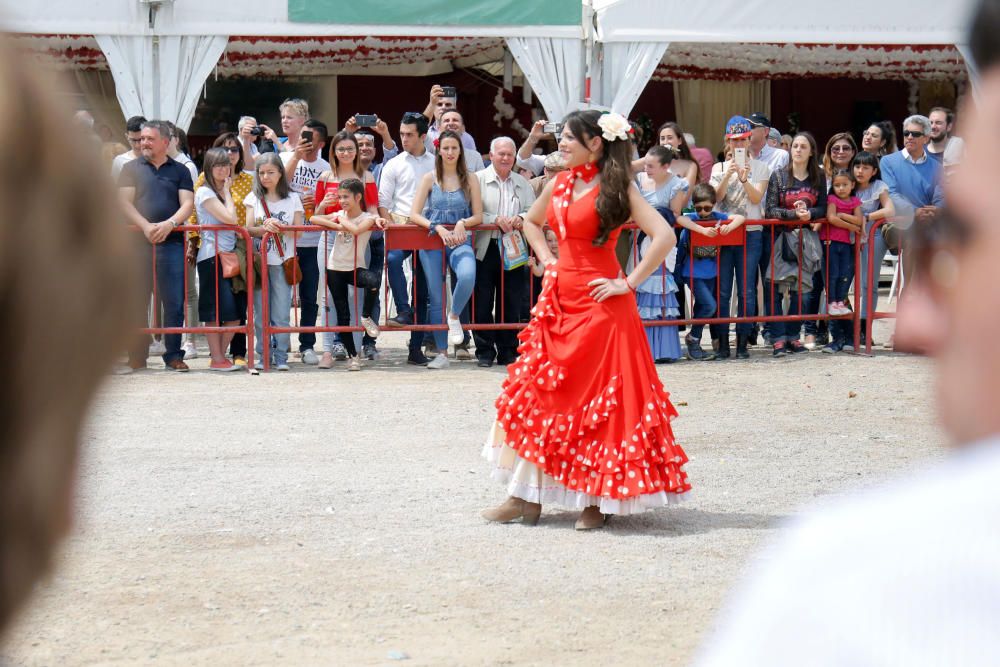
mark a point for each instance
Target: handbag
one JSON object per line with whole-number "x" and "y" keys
{"x": 230, "y": 264}
{"x": 293, "y": 272}
{"x": 789, "y": 250}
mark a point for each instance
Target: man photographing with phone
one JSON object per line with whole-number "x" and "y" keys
{"x": 443, "y": 98}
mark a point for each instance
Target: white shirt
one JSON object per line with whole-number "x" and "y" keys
{"x": 909, "y": 158}
{"x": 212, "y": 242}
{"x": 189, "y": 163}
{"x": 953, "y": 152}
{"x": 736, "y": 200}
{"x": 306, "y": 176}
{"x": 398, "y": 183}
{"x": 774, "y": 158}
{"x": 284, "y": 211}
{"x": 120, "y": 161}
{"x": 905, "y": 574}
{"x": 536, "y": 163}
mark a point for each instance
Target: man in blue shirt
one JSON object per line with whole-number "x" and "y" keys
{"x": 911, "y": 174}
{"x": 157, "y": 196}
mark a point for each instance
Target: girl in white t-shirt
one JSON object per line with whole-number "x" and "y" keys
{"x": 216, "y": 302}
{"x": 272, "y": 208}
{"x": 346, "y": 263}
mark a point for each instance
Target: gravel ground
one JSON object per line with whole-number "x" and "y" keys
{"x": 322, "y": 517}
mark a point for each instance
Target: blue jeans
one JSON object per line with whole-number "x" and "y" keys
{"x": 462, "y": 261}
{"x": 783, "y": 331}
{"x": 731, "y": 261}
{"x": 766, "y": 244}
{"x": 869, "y": 297}
{"x": 841, "y": 269}
{"x": 169, "y": 291}
{"x": 400, "y": 293}
{"x": 812, "y": 299}
{"x": 279, "y": 303}
{"x": 307, "y": 295}
{"x": 703, "y": 291}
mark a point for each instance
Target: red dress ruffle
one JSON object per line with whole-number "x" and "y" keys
{"x": 582, "y": 418}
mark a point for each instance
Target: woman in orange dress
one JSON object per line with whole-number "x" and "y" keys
{"x": 583, "y": 420}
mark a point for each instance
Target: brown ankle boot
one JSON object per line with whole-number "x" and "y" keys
{"x": 590, "y": 519}
{"x": 513, "y": 509}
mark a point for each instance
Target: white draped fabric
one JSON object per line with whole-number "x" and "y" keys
{"x": 184, "y": 64}
{"x": 624, "y": 72}
{"x": 554, "y": 68}
{"x": 703, "y": 107}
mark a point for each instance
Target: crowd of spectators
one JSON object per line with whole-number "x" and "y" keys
{"x": 436, "y": 177}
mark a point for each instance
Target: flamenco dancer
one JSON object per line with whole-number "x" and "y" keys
{"x": 583, "y": 420}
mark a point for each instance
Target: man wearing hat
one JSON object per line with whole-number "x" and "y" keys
{"x": 774, "y": 158}
{"x": 554, "y": 163}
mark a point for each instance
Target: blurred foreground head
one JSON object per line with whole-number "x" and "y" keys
{"x": 952, "y": 308}
{"x": 65, "y": 270}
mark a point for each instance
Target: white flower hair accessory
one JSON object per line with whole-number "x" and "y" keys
{"x": 614, "y": 126}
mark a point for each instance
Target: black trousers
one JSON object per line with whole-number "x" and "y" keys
{"x": 338, "y": 282}
{"x": 494, "y": 305}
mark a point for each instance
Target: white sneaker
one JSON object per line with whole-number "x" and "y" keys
{"x": 190, "y": 351}
{"x": 339, "y": 351}
{"x": 282, "y": 367}
{"x": 354, "y": 364}
{"x": 455, "y": 333}
{"x": 370, "y": 327}
{"x": 157, "y": 348}
{"x": 309, "y": 358}
{"x": 838, "y": 308}
{"x": 122, "y": 369}
{"x": 439, "y": 362}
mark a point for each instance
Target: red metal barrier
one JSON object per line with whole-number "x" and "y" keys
{"x": 871, "y": 284}
{"x": 246, "y": 329}
{"x": 412, "y": 237}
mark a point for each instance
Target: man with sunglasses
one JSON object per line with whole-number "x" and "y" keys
{"x": 133, "y": 134}
{"x": 911, "y": 174}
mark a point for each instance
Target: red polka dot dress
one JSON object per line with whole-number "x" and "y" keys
{"x": 582, "y": 418}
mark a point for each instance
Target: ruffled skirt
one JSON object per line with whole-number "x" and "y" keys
{"x": 583, "y": 418}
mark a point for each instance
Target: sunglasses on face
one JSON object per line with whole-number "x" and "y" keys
{"x": 911, "y": 133}
{"x": 704, "y": 208}
{"x": 841, "y": 149}
{"x": 232, "y": 149}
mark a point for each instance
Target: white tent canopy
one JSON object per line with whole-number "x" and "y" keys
{"x": 161, "y": 51}
{"x": 782, "y": 21}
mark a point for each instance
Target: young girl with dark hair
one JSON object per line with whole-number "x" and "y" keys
{"x": 843, "y": 220}
{"x": 583, "y": 419}
{"x": 875, "y": 205}
{"x": 347, "y": 263}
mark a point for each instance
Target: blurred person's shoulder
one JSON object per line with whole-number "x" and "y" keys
{"x": 905, "y": 573}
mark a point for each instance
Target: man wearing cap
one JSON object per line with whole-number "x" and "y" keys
{"x": 760, "y": 149}
{"x": 739, "y": 190}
